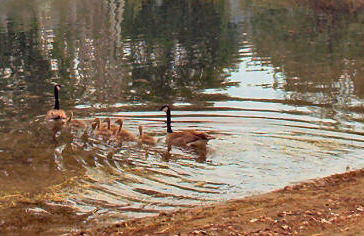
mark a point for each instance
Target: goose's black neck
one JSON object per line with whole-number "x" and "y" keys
{"x": 56, "y": 104}
{"x": 169, "y": 128}
{"x": 120, "y": 127}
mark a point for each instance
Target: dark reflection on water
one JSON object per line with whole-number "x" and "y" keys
{"x": 279, "y": 86}
{"x": 105, "y": 52}
{"x": 319, "y": 54}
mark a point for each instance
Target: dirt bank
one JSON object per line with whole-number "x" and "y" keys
{"x": 330, "y": 206}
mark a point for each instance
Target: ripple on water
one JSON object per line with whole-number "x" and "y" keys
{"x": 123, "y": 180}
{"x": 253, "y": 151}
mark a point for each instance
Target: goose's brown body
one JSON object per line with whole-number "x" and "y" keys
{"x": 145, "y": 138}
{"x": 56, "y": 115}
{"x": 187, "y": 138}
{"x": 123, "y": 133}
{"x": 112, "y": 128}
{"x": 101, "y": 130}
{"x": 75, "y": 123}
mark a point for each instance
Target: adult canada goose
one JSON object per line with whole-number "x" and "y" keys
{"x": 186, "y": 137}
{"x": 56, "y": 114}
{"x": 145, "y": 138}
{"x": 100, "y": 130}
{"x": 75, "y": 123}
{"x": 123, "y": 133}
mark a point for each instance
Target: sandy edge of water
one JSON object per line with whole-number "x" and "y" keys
{"x": 332, "y": 205}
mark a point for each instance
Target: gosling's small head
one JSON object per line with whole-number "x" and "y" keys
{"x": 119, "y": 121}
{"x": 164, "y": 108}
{"x": 107, "y": 119}
{"x": 96, "y": 123}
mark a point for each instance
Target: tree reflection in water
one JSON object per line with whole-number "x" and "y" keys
{"x": 105, "y": 53}
{"x": 115, "y": 56}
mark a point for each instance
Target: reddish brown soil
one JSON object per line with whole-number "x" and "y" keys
{"x": 330, "y": 206}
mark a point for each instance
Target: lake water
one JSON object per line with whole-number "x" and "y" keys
{"x": 280, "y": 87}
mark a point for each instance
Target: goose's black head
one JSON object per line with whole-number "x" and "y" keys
{"x": 164, "y": 108}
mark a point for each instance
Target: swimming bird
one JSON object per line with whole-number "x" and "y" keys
{"x": 185, "y": 138}
{"x": 123, "y": 133}
{"x": 95, "y": 123}
{"x": 101, "y": 130}
{"x": 56, "y": 117}
{"x": 145, "y": 138}
{"x": 75, "y": 123}
{"x": 56, "y": 114}
{"x": 112, "y": 128}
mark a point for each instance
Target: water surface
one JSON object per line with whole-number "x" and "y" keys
{"x": 279, "y": 86}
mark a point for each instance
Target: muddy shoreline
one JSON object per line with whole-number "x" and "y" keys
{"x": 329, "y": 206}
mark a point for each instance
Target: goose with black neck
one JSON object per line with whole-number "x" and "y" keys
{"x": 184, "y": 138}
{"x": 56, "y": 114}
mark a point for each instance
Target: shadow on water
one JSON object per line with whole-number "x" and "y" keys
{"x": 277, "y": 84}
